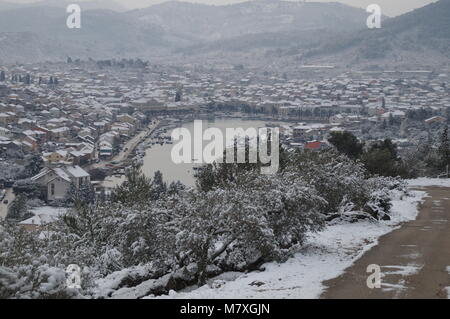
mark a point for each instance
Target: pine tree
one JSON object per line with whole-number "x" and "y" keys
{"x": 27, "y": 79}
{"x": 391, "y": 120}
{"x": 19, "y": 209}
{"x": 404, "y": 128}
{"x": 34, "y": 165}
{"x": 136, "y": 189}
{"x": 178, "y": 96}
{"x": 176, "y": 187}
{"x": 71, "y": 194}
{"x": 84, "y": 194}
{"x": 444, "y": 149}
{"x": 346, "y": 143}
{"x": 159, "y": 186}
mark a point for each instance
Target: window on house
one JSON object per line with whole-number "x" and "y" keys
{"x": 52, "y": 189}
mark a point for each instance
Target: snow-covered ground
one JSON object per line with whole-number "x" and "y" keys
{"x": 426, "y": 181}
{"x": 110, "y": 283}
{"x": 49, "y": 210}
{"x": 44, "y": 215}
{"x": 325, "y": 256}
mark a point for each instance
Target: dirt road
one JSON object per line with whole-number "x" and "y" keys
{"x": 414, "y": 259}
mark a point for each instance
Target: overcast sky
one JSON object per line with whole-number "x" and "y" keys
{"x": 389, "y": 7}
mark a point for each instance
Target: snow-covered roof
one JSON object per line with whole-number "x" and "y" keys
{"x": 77, "y": 171}
{"x": 61, "y": 173}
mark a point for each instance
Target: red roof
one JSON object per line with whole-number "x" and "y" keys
{"x": 313, "y": 145}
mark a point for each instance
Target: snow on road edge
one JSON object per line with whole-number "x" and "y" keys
{"x": 426, "y": 181}
{"x": 448, "y": 288}
{"x": 325, "y": 256}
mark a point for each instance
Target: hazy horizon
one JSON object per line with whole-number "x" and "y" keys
{"x": 389, "y": 7}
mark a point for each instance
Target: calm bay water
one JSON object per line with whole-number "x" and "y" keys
{"x": 158, "y": 157}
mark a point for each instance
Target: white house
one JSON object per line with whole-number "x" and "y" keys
{"x": 58, "y": 179}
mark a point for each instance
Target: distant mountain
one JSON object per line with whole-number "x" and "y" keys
{"x": 102, "y": 33}
{"x": 422, "y": 35}
{"x": 174, "y": 25}
{"x": 22, "y": 46}
{"x": 206, "y": 22}
{"x": 85, "y": 5}
{"x": 281, "y": 32}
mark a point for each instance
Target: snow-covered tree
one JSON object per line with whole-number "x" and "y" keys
{"x": 263, "y": 220}
{"x": 159, "y": 186}
{"x": 85, "y": 193}
{"x": 19, "y": 210}
{"x": 444, "y": 148}
{"x": 30, "y": 189}
{"x": 136, "y": 189}
{"x": 34, "y": 164}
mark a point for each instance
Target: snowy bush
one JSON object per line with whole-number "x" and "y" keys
{"x": 344, "y": 184}
{"x": 265, "y": 219}
{"x": 26, "y": 270}
{"x": 379, "y": 205}
{"x": 336, "y": 178}
{"x": 35, "y": 282}
{"x": 379, "y": 190}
